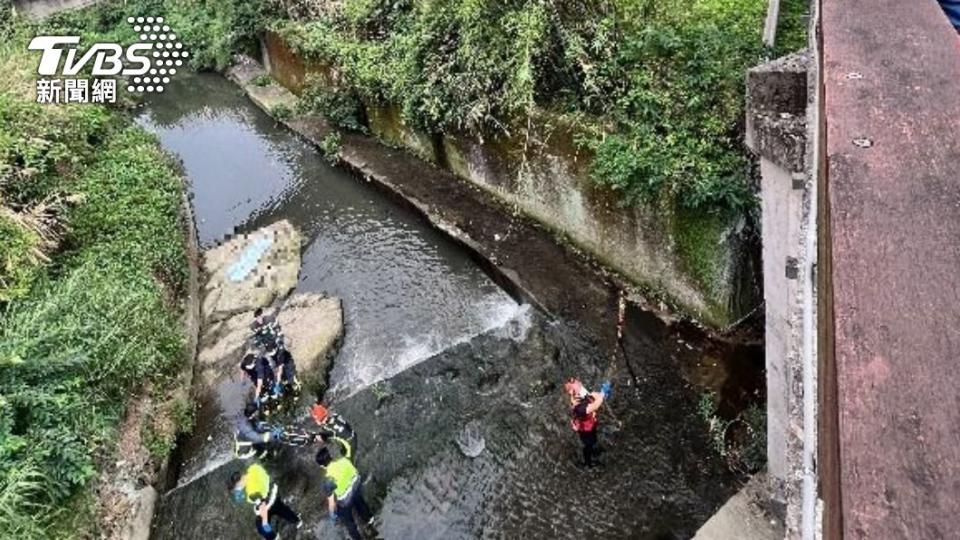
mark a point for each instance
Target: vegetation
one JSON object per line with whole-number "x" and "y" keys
{"x": 341, "y": 107}
{"x": 281, "y": 112}
{"x": 742, "y": 440}
{"x": 330, "y": 146}
{"x": 92, "y": 264}
{"x": 657, "y": 84}
{"x": 262, "y": 80}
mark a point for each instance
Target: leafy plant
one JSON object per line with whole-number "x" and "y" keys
{"x": 262, "y": 80}
{"x": 281, "y": 112}
{"x": 330, "y": 146}
{"x": 342, "y": 108}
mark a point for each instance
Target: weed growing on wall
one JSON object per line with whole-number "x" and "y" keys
{"x": 341, "y": 107}
{"x": 658, "y": 85}
{"x": 330, "y": 146}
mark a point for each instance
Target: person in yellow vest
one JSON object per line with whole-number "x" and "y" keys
{"x": 254, "y": 486}
{"x": 342, "y": 482}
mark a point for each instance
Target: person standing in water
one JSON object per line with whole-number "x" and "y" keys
{"x": 584, "y": 406}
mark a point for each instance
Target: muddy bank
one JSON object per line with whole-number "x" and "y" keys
{"x": 532, "y": 263}
{"x": 659, "y": 480}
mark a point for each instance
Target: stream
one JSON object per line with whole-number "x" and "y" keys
{"x": 432, "y": 346}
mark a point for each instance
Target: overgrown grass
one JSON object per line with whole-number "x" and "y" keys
{"x": 657, "y": 83}
{"x": 93, "y": 315}
{"x": 212, "y": 30}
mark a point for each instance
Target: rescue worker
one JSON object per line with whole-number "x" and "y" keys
{"x": 255, "y": 487}
{"x": 258, "y": 370}
{"x": 343, "y": 485}
{"x": 584, "y": 406}
{"x": 253, "y": 437}
{"x": 332, "y": 424}
{"x": 286, "y": 369}
{"x": 268, "y": 335}
{"x": 266, "y": 330}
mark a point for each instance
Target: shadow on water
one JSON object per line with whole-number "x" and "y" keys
{"x": 449, "y": 349}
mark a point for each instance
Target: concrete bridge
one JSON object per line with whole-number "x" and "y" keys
{"x": 859, "y": 142}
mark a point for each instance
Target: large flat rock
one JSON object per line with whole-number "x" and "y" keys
{"x": 250, "y": 270}
{"x": 312, "y": 325}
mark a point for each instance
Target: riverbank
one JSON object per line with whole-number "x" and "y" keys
{"x": 96, "y": 296}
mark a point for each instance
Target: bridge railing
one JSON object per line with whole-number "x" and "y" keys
{"x": 889, "y": 449}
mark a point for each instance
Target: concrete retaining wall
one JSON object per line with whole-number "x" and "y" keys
{"x": 700, "y": 264}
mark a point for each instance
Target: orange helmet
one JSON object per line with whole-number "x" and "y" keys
{"x": 319, "y": 413}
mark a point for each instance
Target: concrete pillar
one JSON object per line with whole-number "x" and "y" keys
{"x": 777, "y": 131}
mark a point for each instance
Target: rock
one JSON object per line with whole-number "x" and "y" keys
{"x": 312, "y": 325}
{"x": 138, "y": 528}
{"x": 250, "y": 271}
{"x": 470, "y": 439}
{"x": 221, "y": 345}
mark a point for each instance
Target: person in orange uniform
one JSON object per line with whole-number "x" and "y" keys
{"x": 584, "y": 406}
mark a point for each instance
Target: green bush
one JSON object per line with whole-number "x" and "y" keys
{"x": 281, "y": 112}
{"x": 341, "y": 107}
{"x": 262, "y": 80}
{"x": 83, "y": 332}
{"x": 330, "y": 146}
{"x": 659, "y": 83}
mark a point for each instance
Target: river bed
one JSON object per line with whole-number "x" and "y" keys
{"x": 431, "y": 345}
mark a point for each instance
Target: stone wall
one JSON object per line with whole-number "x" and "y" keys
{"x": 700, "y": 264}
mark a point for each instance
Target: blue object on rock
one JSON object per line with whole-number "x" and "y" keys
{"x": 249, "y": 259}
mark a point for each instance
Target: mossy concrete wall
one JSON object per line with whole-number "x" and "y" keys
{"x": 696, "y": 262}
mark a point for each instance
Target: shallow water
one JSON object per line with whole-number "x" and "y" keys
{"x": 454, "y": 353}
{"x": 408, "y": 292}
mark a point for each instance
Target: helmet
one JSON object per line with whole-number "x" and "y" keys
{"x": 319, "y": 413}
{"x": 575, "y": 388}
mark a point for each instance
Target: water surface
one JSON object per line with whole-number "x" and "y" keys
{"x": 408, "y": 292}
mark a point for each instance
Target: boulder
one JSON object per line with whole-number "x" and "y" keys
{"x": 312, "y": 325}
{"x": 250, "y": 270}
{"x": 138, "y": 528}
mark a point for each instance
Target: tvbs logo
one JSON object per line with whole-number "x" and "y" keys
{"x": 146, "y": 65}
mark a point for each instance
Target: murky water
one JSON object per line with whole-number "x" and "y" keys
{"x": 407, "y": 291}
{"x": 453, "y": 352}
